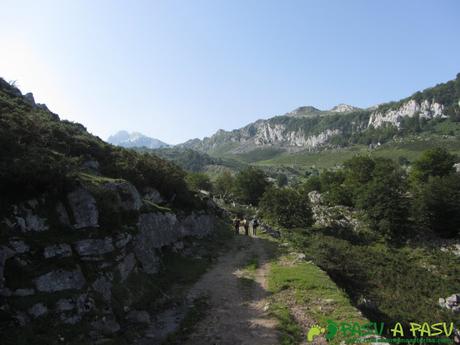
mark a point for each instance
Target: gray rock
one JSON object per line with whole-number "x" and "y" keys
{"x": 178, "y": 246}
{"x": 57, "y": 250}
{"x": 94, "y": 247}
{"x": 29, "y": 98}
{"x": 62, "y": 214}
{"x": 5, "y": 254}
{"x": 28, "y": 221}
{"x": 65, "y": 304}
{"x": 103, "y": 286}
{"x": 70, "y": 320}
{"x": 442, "y": 302}
{"x": 126, "y": 266}
{"x": 20, "y": 247}
{"x": 106, "y": 326}
{"x": 22, "y": 318}
{"x": 60, "y": 280}
{"x": 152, "y": 195}
{"x": 127, "y": 195}
{"x": 122, "y": 240}
{"x": 138, "y": 316}
{"x": 23, "y": 292}
{"x": 38, "y": 310}
{"x": 453, "y": 300}
{"x": 84, "y": 209}
{"x": 157, "y": 230}
{"x": 84, "y": 304}
{"x": 91, "y": 166}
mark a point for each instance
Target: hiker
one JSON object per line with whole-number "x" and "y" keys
{"x": 236, "y": 224}
{"x": 246, "y": 226}
{"x": 255, "y": 224}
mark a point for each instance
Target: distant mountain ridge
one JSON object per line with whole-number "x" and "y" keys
{"x": 135, "y": 139}
{"x": 308, "y": 128}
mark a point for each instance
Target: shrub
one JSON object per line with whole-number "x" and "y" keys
{"x": 286, "y": 207}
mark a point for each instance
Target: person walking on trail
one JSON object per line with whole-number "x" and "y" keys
{"x": 246, "y": 226}
{"x": 255, "y": 224}
{"x": 236, "y": 224}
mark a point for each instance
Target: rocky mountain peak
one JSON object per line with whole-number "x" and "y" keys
{"x": 304, "y": 111}
{"x": 344, "y": 108}
{"x": 135, "y": 139}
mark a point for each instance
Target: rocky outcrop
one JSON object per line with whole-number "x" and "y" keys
{"x": 451, "y": 303}
{"x": 84, "y": 209}
{"x": 157, "y": 230}
{"x": 94, "y": 247}
{"x": 86, "y": 269}
{"x": 344, "y": 108}
{"x": 127, "y": 196}
{"x": 60, "y": 280}
{"x": 57, "y": 251}
{"x": 26, "y": 218}
{"x": 338, "y": 217}
{"x": 426, "y": 109}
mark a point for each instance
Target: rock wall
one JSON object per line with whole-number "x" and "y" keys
{"x": 426, "y": 109}
{"x": 57, "y": 260}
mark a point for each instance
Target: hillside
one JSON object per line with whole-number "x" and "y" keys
{"x": 434, "y": 111}
{"x": 91, "y": 235}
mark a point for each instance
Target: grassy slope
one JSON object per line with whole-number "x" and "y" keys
{"x": 402, "y": 283}
{"x": 410, "y": 148}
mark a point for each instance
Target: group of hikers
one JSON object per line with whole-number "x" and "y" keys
{"x": 245, "y": 223}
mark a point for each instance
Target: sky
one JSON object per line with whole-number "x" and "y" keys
{"x": 177, "y": 70}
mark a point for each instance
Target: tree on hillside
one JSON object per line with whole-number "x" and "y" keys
{"x": 250, "y": 185}
{"x": 224, "y": 185}
{"x": 384, "y": 199}
{"x": 281, "y": 180}
{"x": 438, "y": 205}
{"x": 433, "y": 162}
{"x": 286, "y": 207}
{"x": 198, "y": 181}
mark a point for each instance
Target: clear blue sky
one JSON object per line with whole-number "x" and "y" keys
{"x": 176, "y": 70}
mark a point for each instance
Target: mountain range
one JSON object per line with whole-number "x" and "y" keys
{"x": 308, "y": 128}
{"x": 135, "y": 139}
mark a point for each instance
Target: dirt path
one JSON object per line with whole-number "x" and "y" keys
{"x": 237, "y": 313}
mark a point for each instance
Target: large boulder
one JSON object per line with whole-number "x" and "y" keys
{"x": 94, "y": 247}
{"x": 157, "y": 230}
{"x": 128, "y": 197}
{"x": 152, "y": 195}
{"x": 60, "y": 280}
{"x": 57, "y": 250}
{"x": 103, "y": 285}
{"x": 126, "y": 266}
{"x": 38, "y": 310}
{"x": 84, "y": 209}
{"x": 26, "y": 218}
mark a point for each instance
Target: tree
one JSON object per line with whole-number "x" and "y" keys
{"x": 313, "y": 183}
{"x": 384, "y": 199}
{"x": 250, "y": 185}
{"x": 438, "y": 205}
{"x": 224, "y": 185}
{"x": 199, "y": 181}
{"x": 286, "y": 207}
{"x": 433, "y": 162}
{"x": 281, "y": 180}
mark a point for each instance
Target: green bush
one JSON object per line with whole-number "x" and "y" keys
{"x": 250, "y": 184}
{"x": 286, "y": 207}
